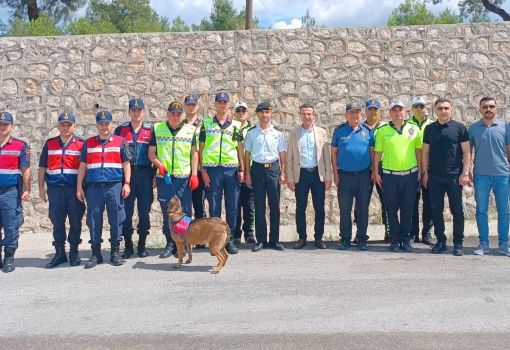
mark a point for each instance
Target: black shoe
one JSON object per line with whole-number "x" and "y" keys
{"x": 344, "y": 244}
{"x": 458, "y": 250}
{"x": 96, "y": 257}
{"x": 319, "y": 243}
{"x": 250, "y": 238}
{"x": 237, "y": 242}
{"x": 439, "y": 248}
{"x": 277, "y": 246}
{"x": 300, "y": 244}
{"x": 407, "y": 247}
{"x": 417, "y": 239}
{"x": 129, "y": 250}
{"x": 115, "y": 257}
{"x": 142, "y": 252}
{"x": 60, "y": 257}
{"x": 8, "y": 265}
{"x": 427, "y": 239}
{"x": 74, "y": 255}
{"x": 231, "y": 248}
{"x": 1, "y": 261}
{"x": 362, "y": 245}
{"x": 257, "y": 247}
{"x": 168, "y": 252}
{"x": 394, "y": 247}
{"x": 355, "y": 241}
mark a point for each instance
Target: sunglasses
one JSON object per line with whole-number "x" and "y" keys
{"x": 241, "y": 110}
{"x": 419, "y": 106}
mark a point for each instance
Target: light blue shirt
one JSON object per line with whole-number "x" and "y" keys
{"x": 265, "y": 146}
{"x": 489, "y": 145}
{"x": 308, "y": 149}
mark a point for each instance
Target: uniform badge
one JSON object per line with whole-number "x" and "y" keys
{"x": 136, "y": 103}
{"x": 363, "y": 133}
{"x": 411, "y": 131}
{"x": 66, "y": 116}
{"x": 103, "y": 116}
{"x": 2, "y": 117}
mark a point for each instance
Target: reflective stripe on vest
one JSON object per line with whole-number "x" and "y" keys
{"x": 139, "y": 149}
{"x": 63, "y": 163}
{"x": 9, "y": 162}
{"x": 104, "y": 162}
{"x": 175, "y": 151}
{"x": 220, "y": 147}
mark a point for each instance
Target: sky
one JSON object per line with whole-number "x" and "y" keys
{"x": 286, "y": 14}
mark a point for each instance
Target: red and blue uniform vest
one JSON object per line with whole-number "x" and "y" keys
{"x": 138, "y": 148}
{"x": 10, "y": 169}
{"x": 63, "y": 161}
{"x": 104, "y": 161}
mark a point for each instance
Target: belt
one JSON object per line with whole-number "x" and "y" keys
{"x": 7, "y": 189}
{"x": 139, "y": 167}
{"x": 265, "y": 165}
{"x": 401, "y": 173}
{"x": 310, "y": 170}
{"x": 353, "y": 173}
{"x": 103, "y": 184}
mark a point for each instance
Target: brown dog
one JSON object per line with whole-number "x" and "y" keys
{"x": 211, "y": 231}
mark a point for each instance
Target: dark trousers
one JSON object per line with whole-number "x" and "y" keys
{"x": 310, "y": 181}
{"x": 11, "y": 216}
{"x": 426, "y": 213}
{"x": 438, "y": 186}
{"x": 141, "y": 191}
{"x": 265, "y": 182}
{"x": 64, "y": 204}
{"x": 224, "y": 184}
{"x": 399, "y": 192}
{"x": 245, "y": 212}
{"x": 354, "y": 186}
{"x": 384, "y": 215}
{"x": 179, "y": 188}
{"x": 97, "y": 199}
{"x": 198, "y": 197}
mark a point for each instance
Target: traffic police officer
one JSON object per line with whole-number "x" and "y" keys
{"x": 191, "y": 108}
{"x": 14, "y": 187}
{"x": 351, "y": 153}
{"x": 265, "y": 147}
{"x": 137, "y": 134}
{"x": 398, "y": 143}
{"x": 58, "y": 168}
{"x": 246, "y": 206}
{"x": 421, "y": 120}
{"x": 172, "y": 150}
{"x": 221, "y": 158}
{"x": 105, "y": 166}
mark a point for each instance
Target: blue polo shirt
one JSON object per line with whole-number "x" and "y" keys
{"x": 353, "y": 147}
{"x": 489, "y": 145}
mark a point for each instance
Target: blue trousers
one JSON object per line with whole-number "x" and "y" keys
{"x": 501, "y": 188}
{"x": 179, "y": 188}
{"x": 224, "y": 182}
{"x": 97, "y": 199}
{"x": 141, "y": 191}
{"x": 354, "y": 186}
{"x": 64, "y": 204}
{"x": 11, "y": 216}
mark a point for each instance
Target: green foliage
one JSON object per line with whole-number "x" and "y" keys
{"x": 84, "y": 26}
{"x": 178, "y": 25}
{"x": 42, "y": 26}
{"x": 58, "y": 10}
{"x": 224, "y": 16}
{"x": 308, "y": 21}
{"x": 415, "y": 12}
{"x": 478, "y": 11}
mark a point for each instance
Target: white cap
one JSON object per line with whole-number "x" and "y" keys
{"x": 396, "y": 103}
{"x": 418, "y": 100}
{"x": 240, "y": 104}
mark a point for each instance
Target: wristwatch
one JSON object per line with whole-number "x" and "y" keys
{"x": 465, "y": 173}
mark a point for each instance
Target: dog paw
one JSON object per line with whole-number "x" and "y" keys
{"x": 188, "y": 261}
{"x": 177, "y": 267}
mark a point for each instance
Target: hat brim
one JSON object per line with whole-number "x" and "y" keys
{"x": 66, "y": 121}
{"x": 176, "y": 110}
{"x": 5, "y": 122}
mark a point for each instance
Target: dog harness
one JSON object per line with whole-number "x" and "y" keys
{"x": 181, "y": 226}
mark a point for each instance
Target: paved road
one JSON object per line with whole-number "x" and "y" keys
{"x": 307, "y": 299}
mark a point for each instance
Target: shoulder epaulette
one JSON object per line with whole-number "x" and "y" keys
{"x": 148, "y": 125}
{"x": 381, "y": 126}
{"x": 125, "y": 124}
{"x": 340, "y": 125}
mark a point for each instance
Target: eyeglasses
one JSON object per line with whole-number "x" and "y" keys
{"x": 419, "y": 106}
{"x": 241, "y": 110}
{"x": 488, "y": 106}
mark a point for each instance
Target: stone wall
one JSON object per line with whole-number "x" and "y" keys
{"x": 41, "y": 76}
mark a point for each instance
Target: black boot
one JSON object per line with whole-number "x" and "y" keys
{"x": 74, "y": 255}
{"x": 128, "y": 247}
{"x": 1, "y": 261}
{"x": 115, "y": 257}
{"x": 8, "y": 260}
{"x": 231, "y": 248}
{"x": 59, "y": 258}
{"x": 142, "y": 253}
{"x": 96, "y": 257}
{"x": 170, "y": 247}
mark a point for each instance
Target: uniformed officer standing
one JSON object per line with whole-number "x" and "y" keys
{"x": 221, "y": 158}
{"x": 246, "y": 206}
{"x": 172, "y": 150}
{"x": 137, "y": 134}
{"x": 14, "y": 187}
{"x": 58, "y": 168}
{"x": 105, "y": 167}
{"x": 191, "y": 108}
{"x": 399, "y": 145}
{"x": 421, "y": 120}
{"x": 351, "y": 154}
{"x": 265, "y": 146}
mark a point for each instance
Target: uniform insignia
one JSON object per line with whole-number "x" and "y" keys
{"x": 125, "y": 124}
{"x": 66, "y": 116}
{"x": 2, "y": 116}
{"x": 363, "y": 133}
{"x": 411, "y": 131}
{"x": 147, "y": 125}
{"x": 222, "y": 94}
{"x": 136, "y": 103}
{"x": 103, "y": 116}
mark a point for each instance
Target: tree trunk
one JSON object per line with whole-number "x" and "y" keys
{"x": 249, "y": 15}
{"x": 33, "y": 10}
{"x": 497, "y": 10}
